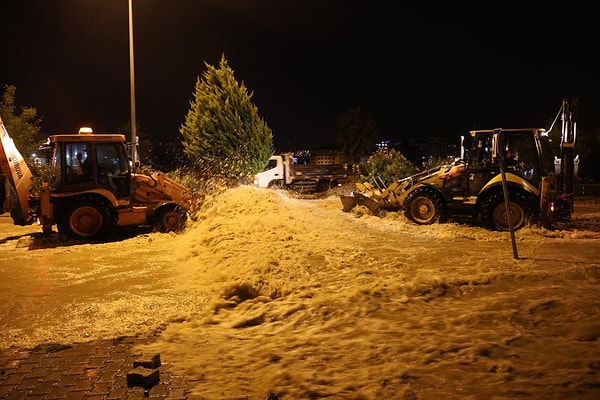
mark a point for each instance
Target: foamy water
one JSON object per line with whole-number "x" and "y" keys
{"x": 264, "y": 293}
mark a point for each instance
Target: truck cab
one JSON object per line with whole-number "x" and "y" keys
{"x": 277, "y": 173}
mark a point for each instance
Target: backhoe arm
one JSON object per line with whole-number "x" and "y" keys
{"x": 18, "y": 180}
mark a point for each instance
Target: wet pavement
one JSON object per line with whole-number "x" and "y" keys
{"x": 106, "y": 369}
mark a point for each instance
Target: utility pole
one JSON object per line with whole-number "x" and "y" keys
{"x": 134, "y": 153}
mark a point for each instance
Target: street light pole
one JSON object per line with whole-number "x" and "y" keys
{"x": 134, "y": 156}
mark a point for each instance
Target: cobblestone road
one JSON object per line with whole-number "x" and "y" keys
{"x": 95, "y": 370}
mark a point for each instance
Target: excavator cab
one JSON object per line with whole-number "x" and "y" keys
{"x": 79, "y": 164}
{"x": 518, "y": 148}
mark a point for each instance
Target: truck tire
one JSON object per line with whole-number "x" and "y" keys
{"x": 323, "y": 185}
{"x": 170, "y": 218}
{"x": 86, "y": 219}
{"x": 424, "y": 206}
{"x": 495, "y": 217}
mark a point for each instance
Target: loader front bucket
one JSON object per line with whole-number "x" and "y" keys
{"x": 374, "y": 206}
{"x": 359, "y": 199}
{"x": 348, "y": 202}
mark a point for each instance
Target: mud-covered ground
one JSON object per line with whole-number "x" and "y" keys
{"x": 265, "y": 293}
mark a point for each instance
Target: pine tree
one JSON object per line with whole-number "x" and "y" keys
{"x": 223, "y": 134}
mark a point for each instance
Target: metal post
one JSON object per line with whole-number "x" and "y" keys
{"x": 134, "y": 156}
{"x": 501, "y": 154}
{"x": 508, "y": 210}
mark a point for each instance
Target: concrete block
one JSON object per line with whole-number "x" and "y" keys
{"x": 143, "y": 377}
{"x": 151, "y": 363}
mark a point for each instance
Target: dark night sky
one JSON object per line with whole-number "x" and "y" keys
{"x": 421, "y": 69}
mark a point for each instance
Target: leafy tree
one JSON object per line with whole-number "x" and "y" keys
{"x": 388, "y": 166}
{"x": 223, "y": 134}
{"x": 22, "y": 124}
{"x": 357, "y": 134}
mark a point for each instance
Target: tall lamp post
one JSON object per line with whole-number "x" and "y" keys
{"x": 134, "y": 155}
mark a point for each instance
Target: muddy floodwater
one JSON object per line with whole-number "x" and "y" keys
{"x": 264, "y": 293}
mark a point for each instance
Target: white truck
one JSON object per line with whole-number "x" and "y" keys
{"x": 284, "y": 171}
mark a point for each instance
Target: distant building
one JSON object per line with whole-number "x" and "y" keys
{"x": 422, "y": 150}
{"x": 418, "y": 151}
{"x": 324, "y": 156}
{"x": 328, "y": 156}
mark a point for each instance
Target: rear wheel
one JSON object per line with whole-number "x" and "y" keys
{"x": 87, "y": 219}
{"x": 170, "y": 218}
{"x": 424, "y": 206}
{"x": 494, "y": 214}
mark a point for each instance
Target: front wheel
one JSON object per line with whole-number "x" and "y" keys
{"x": 170, "y": 218}
{"x": 423, "y": 206}
{"x": 495, "y": 216}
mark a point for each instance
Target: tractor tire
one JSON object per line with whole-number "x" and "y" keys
{"x": 494, "y": 215}
{"x": 170, "y": 218}
{"x": 424, "y": 207}
{"x": 87, "y": 219}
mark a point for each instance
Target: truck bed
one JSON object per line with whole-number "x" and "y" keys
{"x": 332, "y": 171}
